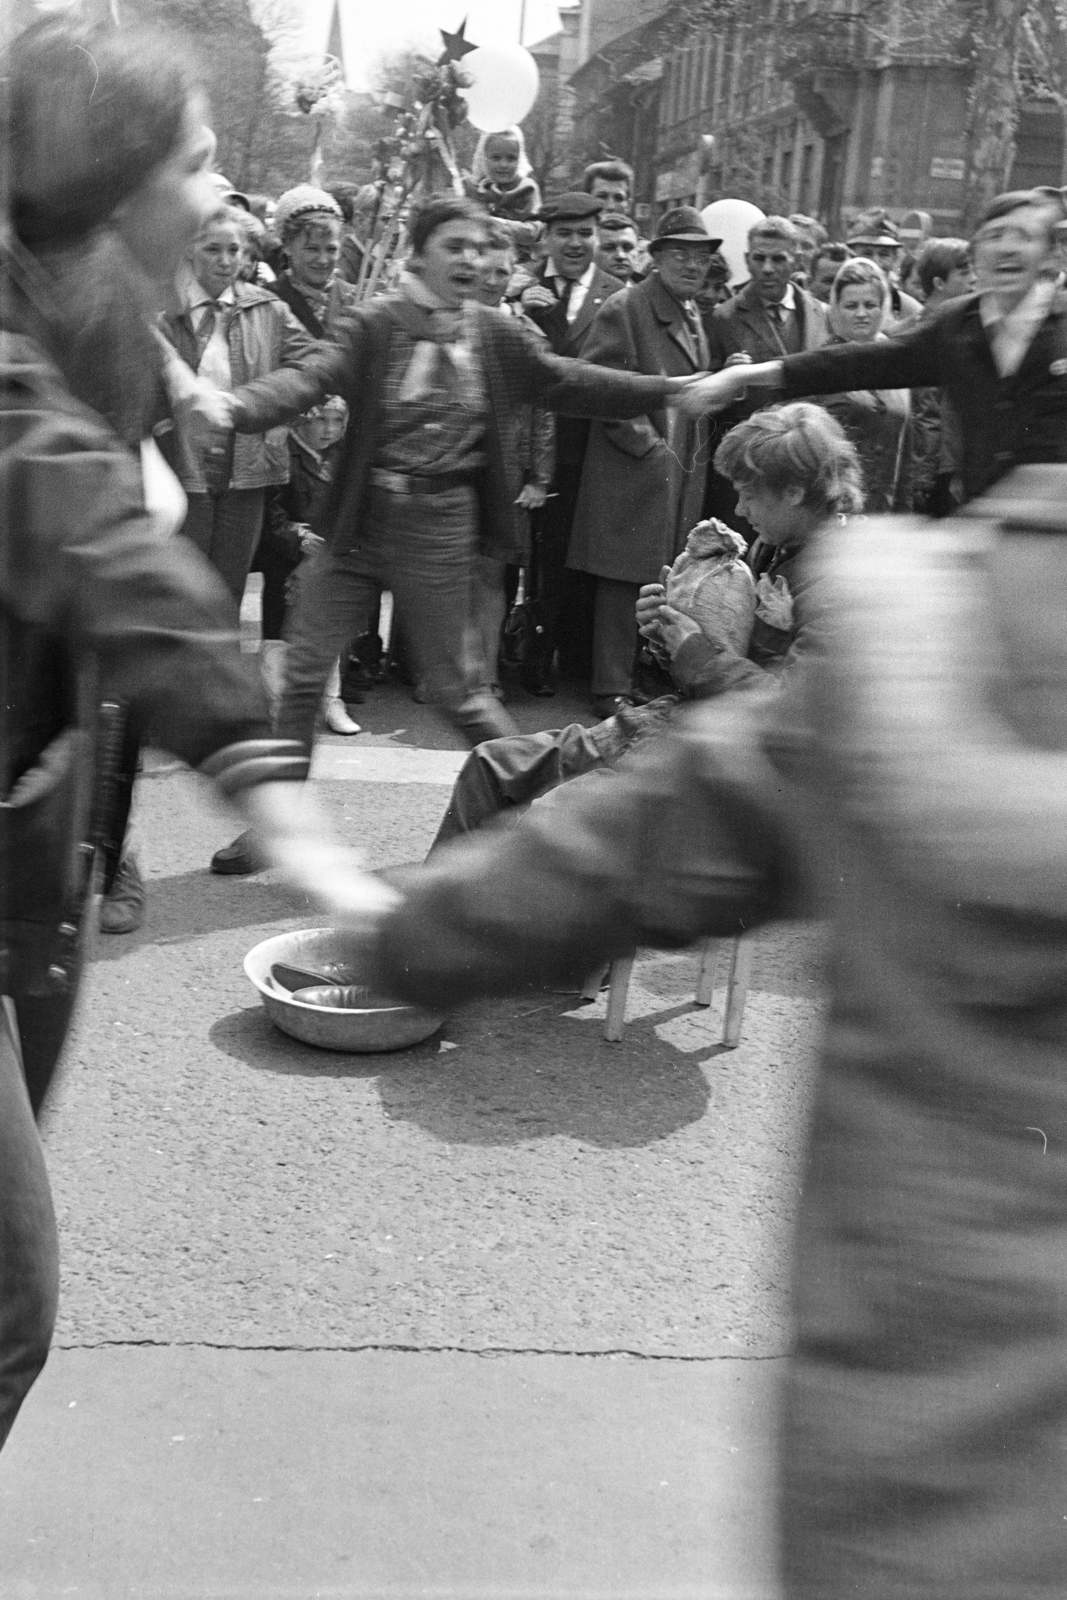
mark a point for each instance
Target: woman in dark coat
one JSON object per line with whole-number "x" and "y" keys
{"x": 98, "y": 595}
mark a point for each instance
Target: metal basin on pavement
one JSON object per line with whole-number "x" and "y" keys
{"x": 378, "y": 1024}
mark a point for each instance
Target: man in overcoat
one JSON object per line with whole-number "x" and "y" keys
{"x": 642, "y": 481}
{"x": 769, "y": 318}
{"x": 564, "y": 301}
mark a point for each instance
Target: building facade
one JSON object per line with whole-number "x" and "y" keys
{"x": 809, "y": 108}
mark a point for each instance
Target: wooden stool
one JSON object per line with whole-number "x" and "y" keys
{"x": 738, "y": 977}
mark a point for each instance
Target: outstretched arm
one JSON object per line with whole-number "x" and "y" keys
{"x": 693, "y": 840}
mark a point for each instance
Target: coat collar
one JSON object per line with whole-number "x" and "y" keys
{"x": 601, "y": 288}
{"x": 671, "y": 315}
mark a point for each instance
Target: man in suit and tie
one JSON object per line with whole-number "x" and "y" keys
{"x": 769, "y": 318}
{"x": 642, "y": 480}
{"x": 568, "y": 292}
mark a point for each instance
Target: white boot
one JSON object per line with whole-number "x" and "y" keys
{"x": 334, "y": 714}
{"x": 272, "y": 671}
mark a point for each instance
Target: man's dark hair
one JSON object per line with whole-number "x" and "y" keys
{"x": 614, "y": 171}
{"x": 834, "y": 251}
{"x": 1022, "y": 200}
{"x": 436, "y": 213}
{"x": 615, "y": 222}
{"x": 939, "y": 257}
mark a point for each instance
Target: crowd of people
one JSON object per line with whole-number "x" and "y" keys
{"x": 799, "y": 703}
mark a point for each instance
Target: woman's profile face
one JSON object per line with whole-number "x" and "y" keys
{"x": 160, "y": 220}
{"x": 857, "y": 312}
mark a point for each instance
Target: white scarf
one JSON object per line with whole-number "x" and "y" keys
{"x": 437, "y": 327}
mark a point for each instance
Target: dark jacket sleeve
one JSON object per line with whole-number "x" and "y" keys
{"x": 324, "y": 368}
{"x": 909, "y": 362}
{"x": 580, "y": 389}
{"x": 86, "y": 564}
{"x": 611, "y": 343}
{"x": 692, "y": 839}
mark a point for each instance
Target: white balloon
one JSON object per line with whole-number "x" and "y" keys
{"x": 503, "y": 85}
{"x": 730, "y": 220}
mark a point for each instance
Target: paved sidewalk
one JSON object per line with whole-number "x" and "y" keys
{"x": 204, "y": 1473}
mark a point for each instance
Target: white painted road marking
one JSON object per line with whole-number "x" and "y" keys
{"x": 387, "y": 764}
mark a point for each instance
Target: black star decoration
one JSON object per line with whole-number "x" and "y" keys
{"x": 456, "y": 46}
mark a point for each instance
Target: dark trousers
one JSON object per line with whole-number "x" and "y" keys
{"x": 226, "y": 528}
{"x": 565, "y": 596}
{"x": 277, "y": 563}
{"x": 29, "y": 1245}
{"x": 614, "y": 636}
{"x": 505, "y": 773}
{"x": 422, "y": 547}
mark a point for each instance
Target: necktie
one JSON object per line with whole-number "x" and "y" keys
{"x": 211, "y": 311}
{"x": 566, "y": 295}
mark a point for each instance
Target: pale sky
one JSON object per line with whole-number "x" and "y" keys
{"x": 373, "y": 28}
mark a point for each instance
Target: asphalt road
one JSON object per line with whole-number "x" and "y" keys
{"x": 503, "y": 1314}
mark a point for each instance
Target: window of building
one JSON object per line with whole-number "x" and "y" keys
{"x": 785, "y": 173}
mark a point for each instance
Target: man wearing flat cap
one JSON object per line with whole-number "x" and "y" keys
{"x": 568, "y": 292}
{"x": 643, "y": 480}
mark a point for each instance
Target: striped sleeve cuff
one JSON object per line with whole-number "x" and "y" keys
{"x": 243, "y": 765}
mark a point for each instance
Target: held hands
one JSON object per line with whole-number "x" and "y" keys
{"x": 712, "y": 391}
{"x": 532, "y": 496}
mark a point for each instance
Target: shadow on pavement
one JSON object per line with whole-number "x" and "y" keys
{"x": 191, "y": 904}
{"x": 520, "y": 1070}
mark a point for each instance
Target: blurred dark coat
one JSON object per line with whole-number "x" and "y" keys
{"x": 643, "y": 480}
{"x": 1003, "y": 421}
{"x": 924, "y": 1421}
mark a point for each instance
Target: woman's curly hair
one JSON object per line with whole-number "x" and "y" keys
{"x": 796, "y": 445}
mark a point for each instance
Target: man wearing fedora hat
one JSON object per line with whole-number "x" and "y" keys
{"x": 643, "y": 480}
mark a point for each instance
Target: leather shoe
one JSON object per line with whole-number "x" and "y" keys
{"x": 536, "y": 683}
{"x": 122, "y": 908}
{"x": 238, "y": 859}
